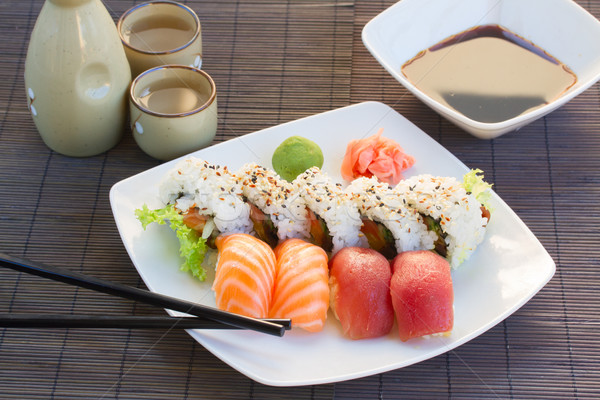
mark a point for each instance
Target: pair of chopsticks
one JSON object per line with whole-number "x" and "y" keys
{"x": 203, "y": 317}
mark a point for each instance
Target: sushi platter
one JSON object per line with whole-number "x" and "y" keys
{"x": 507, "y": 269}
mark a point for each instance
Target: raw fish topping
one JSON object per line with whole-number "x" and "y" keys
{"x": 422, "y": 294}
{"x": 245, "y": 275}
{"x": 301, "y": 289}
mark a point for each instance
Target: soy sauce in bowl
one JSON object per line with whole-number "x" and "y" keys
{"x": 489, "y": 74}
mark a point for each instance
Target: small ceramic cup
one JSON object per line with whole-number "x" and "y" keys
{"x": 173, "y": 110}
{"x": 159, "y": 33}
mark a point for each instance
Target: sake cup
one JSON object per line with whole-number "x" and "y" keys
{"x": 158, "y": 33}
{"x": 173, "y": 110}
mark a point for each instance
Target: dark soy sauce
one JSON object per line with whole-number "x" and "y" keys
{"x": 489, "y": 74}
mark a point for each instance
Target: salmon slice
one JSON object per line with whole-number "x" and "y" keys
{"x": 245, "y": 275}
{"x": 301, "y": 288}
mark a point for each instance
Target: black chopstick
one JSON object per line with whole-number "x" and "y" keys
{"x": 141, "y": 295}
{"x": 108, "y": 322}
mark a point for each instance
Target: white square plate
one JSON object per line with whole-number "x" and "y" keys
{"x": 560, "y": 27}
{"x": 507, "y": 269}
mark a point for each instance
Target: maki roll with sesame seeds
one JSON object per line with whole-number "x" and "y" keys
{"x": 334, "y": 219}
{"x": 208, "y": 196}
{"x": 454, "y": 210}
{"x": 388, "y": 224}
{"x": 276, "y": 211}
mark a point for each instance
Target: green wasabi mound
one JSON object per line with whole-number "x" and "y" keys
{"x": 294, "y": 156}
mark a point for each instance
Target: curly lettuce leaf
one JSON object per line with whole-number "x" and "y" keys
{"x": 192, "y": 247}
{"x": 474, "y": 184}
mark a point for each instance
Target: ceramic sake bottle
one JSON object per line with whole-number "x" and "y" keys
{"x": 77, "y": 78}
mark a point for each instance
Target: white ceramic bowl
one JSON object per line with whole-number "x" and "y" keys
{"x": 560, "y": 27}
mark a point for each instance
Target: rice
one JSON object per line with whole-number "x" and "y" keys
{"x": 225, "y": 197}
{"x": 377, "y": 202}
{"x": 334, "y": 206}
{"x": 212, "y": 189}
{"x": 458, "y": 212}
{"x": 275, "y": 197}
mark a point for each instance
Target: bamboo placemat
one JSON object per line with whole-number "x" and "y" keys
{"x": 273, "y": 62}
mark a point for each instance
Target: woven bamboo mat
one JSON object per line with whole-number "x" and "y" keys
{"x": 276, "y": 61}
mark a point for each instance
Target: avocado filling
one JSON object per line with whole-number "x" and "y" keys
{"x": 319, "y": 232}
{"x": 263, "y": 226}
{"x": 440, "y": 243}
{"x": 379, "y": 237}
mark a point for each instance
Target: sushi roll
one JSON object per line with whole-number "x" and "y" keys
{"x": 388, "y": 224}
{"x": 276, "y": 211}
{"x": 334, "y": 219}
{"x": 454, "y": 213}
{"x": 209, "y": 197}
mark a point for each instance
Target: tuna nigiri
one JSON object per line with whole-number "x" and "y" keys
{"x": 360, "y": 292}
{"x": 422, "y": 294}
{"x": 245, "y": 275}
{"x": 301, "y": 287}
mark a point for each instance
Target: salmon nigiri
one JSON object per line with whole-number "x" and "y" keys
{"x": 245, "y": 275}
{"x": 301, "y": 288}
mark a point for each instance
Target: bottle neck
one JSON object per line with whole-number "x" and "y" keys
{"x": 69, "y": 3}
